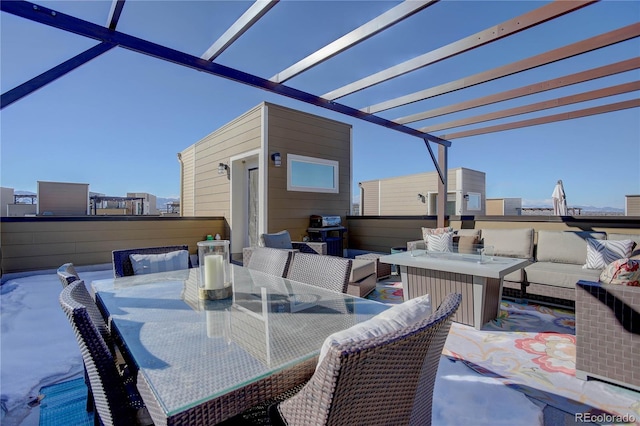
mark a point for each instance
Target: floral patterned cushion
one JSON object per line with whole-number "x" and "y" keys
{"x": 622, "y": 272}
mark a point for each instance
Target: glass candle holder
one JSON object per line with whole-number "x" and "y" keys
{"x": 215, "y": 269}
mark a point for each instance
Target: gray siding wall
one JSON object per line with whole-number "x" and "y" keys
{"x": 513, "y": 206}
{"x": 296, "y": 132}
{"x": 472, "y": 181}
{"x": 210, "y": 195}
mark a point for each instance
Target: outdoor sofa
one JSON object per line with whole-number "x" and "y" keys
{"x": 558, "y": 259}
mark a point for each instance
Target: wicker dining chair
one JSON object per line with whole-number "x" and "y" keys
{"x": 67, "y": 274}
{"x": 116, "y": 400}
{"x": 122, "y": 266}
{"x": 270, "y": 260}
{"x": 385, "y": 380}
{"x": 328, "y": 272}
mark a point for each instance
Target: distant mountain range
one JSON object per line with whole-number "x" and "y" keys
{"x": 161, "y": 203}
{"x": 584, "y": 208}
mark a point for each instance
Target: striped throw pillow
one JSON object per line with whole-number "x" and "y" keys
{"x": 440, "y": 242}
{"x": 602, "y": 252}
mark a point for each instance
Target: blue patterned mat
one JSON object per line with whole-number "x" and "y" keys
{"x": 65, "y": 404}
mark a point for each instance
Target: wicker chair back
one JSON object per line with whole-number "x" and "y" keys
{"x": 328, "y": 272}
{"x": 270, "y": 260}
{"x": 67, "y": 274}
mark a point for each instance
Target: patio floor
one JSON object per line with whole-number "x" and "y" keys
{"x": 518, "y": 370}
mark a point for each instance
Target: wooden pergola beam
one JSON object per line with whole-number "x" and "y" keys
{"x": 486, "y": 36}
{"x": 555, "y": 83}
{"x": 618, "y": 106}
{"x": 538, "y": 106}
{"x": 574, "y": 49}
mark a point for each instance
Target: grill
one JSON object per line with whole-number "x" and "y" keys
{"x": 318, "y": 221}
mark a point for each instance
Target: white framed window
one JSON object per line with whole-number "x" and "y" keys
{"x": 474, "y": 202}
{"x": 308, "y": 174}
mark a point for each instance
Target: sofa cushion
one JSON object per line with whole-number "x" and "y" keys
{"x": 163, "y": 262}
{"x": 510, "y": 242}
{"x": 466, "y": 244}
{"x": 361, "y": 269}
{"x": 633, "y": 237}
{"x": 559, "y": 274}
{"x": 279, "y": 240}
{"x": 515, "y": 276}
{"x": 564, "y": 246}
{"x": 363, "y": 287}
{"x": 468, "y": 233}
{"x": 602, "y": 252}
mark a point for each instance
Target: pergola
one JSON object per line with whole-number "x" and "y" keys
{"x": 108, "y": 37}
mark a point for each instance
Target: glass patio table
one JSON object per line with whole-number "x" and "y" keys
{"x": 203, "y": 361}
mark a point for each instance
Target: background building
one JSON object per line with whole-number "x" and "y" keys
{"x": 146, "y": 203}
{"x": 63, "y": 199}
{"x": 417, "y": 194}
{"x": 504, "y": 206}
{"x": 632, "y": 205}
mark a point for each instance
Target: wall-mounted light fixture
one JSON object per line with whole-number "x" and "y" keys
{"x": 422, "y": 198}
{"x": 466, "y": 196}
{"x": 223, "y": 168}
{"x": 277, "y": 159}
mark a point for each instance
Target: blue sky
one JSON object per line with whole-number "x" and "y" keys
{"x": 118, "y": 122}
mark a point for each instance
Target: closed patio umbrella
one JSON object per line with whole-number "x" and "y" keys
{"x": 559, "y": 200}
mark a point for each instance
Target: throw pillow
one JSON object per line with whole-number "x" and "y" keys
{"x": 440, "y": 242}
{"x": 163, "y": 262}
{"x": 602, "y": 252}
{"x": 431, "y": 231}
{"x": 396, "y": 318}
{"x": 467, "y": 244}
{"x": 279, "y": 240}
{"x": 622, "y": 272}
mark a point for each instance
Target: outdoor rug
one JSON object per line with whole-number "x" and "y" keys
{"x": 532, "y": 349}
{"x": 65, "y": 404}
{"x": 387, "y": 292}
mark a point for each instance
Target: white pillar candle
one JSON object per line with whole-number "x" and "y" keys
{"x": 213, "y": 272}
